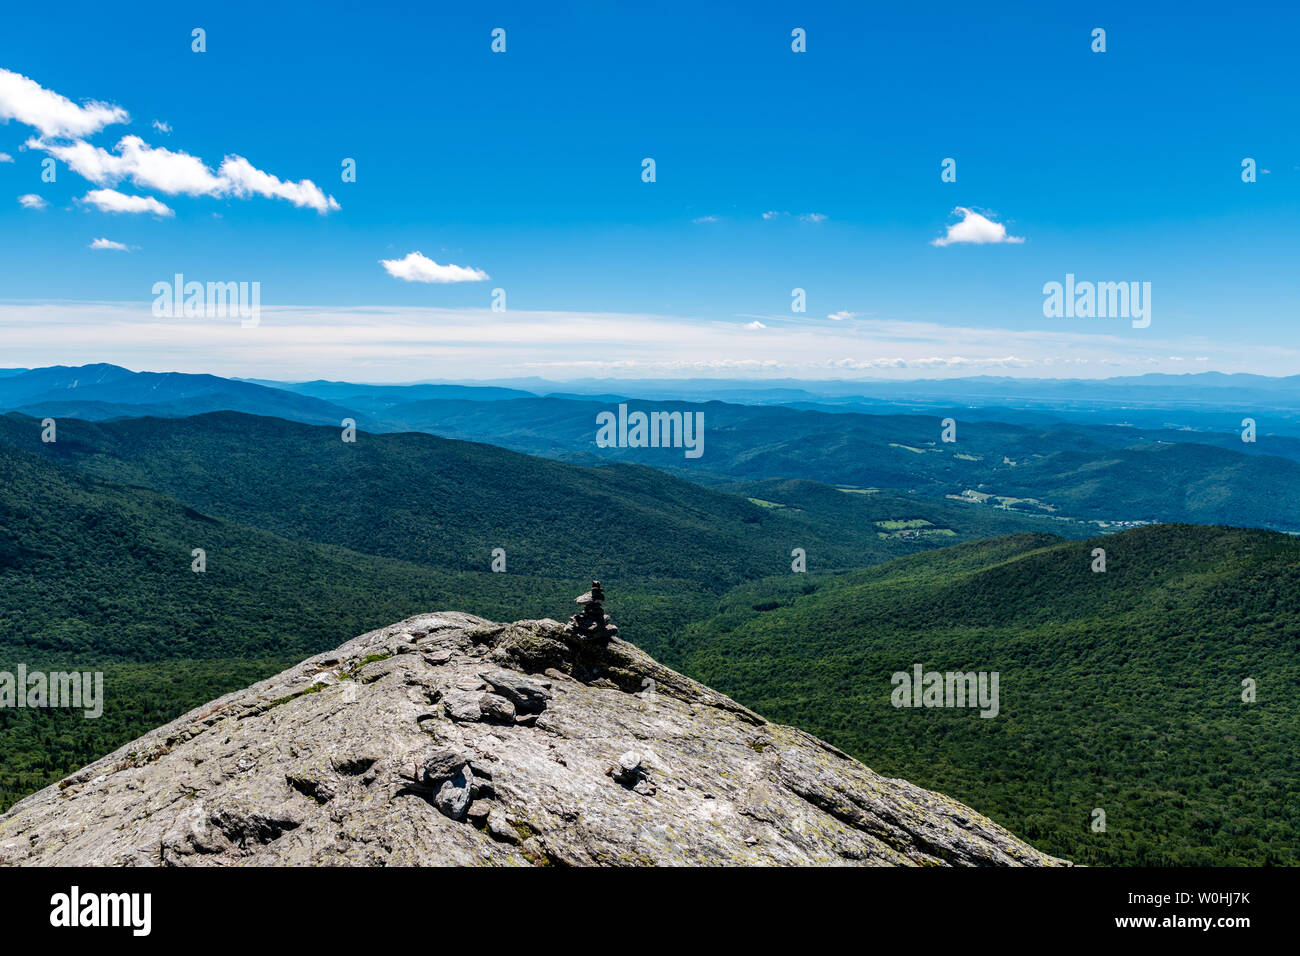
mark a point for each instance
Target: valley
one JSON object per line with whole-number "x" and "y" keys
{"x": 309, "y": 540}
{"x": 917, "y": 555}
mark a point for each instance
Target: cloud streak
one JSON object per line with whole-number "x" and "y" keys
{"x": 110, "y": 200}
{"x": 412, "y": 344}
{"x": 416, "y": 267}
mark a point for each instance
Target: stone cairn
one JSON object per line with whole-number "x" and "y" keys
{"x": 593, "y": 622}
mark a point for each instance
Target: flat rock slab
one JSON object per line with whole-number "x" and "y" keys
{"x": 448, "y": 739}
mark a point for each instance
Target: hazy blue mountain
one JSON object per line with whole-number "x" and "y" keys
{"x": 1208, "y": 401}
{"x": 379, "y": 397}
{"x": 1025, "y": 459}
{"x": 108, "y": 391}
{"x": 1190, "y": 387}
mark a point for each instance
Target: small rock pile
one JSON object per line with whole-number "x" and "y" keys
{"x": 498, "y": 697}
{"x": 593, "y": 622}
{"x": 632, "y": 773}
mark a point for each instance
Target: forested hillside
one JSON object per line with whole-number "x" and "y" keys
{"x": 309, "y": 541}
{"x": 1120, "y": 691}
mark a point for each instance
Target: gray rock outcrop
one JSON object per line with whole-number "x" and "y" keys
{"x": 447, "y": 739}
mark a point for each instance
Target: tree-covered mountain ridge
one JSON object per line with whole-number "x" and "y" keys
{"x": 1160, "y": 691}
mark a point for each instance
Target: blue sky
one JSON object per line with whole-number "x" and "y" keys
{"x": 526, "y": 166}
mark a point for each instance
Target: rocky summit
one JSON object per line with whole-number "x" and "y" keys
{"x": 450, "y": 740}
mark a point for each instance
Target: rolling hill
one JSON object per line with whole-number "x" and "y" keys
{"x": 1200, "y": 471}
{"x": 1120, "y": 691}
{"x": 446, "y": 503}
{"x": 1098, "y": 474}
{"x": 309, "y": 540}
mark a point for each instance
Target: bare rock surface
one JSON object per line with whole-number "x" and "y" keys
{"x": 447, "y": 739}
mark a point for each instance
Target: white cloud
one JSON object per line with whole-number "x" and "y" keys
{"x": 175, "y": 172}
{"x": 975, "y": 229}
{"x": 841, "y": 316}
{"x": 30, "y": 103}
{"x": 6, "y": 158}
{"x": 32, "y": 201}
{"x": 108, "y": 244}
{"x": 57, "y": 118}
{"x": 771, "y": 214}
{"x": 755, "y": 325}
{"x": 705, "y": 219}
{"x": 110, "y": 200}
{"x": 419, "y": 268}
{"x": 244, "y": 179}
{"x": 149, "y": 168}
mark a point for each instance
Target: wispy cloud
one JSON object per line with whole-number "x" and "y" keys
{"x": 416, "y": 267}
{"x": 380, "y": 343}
{"x": 6, "y": 158}
{"x": 179, "y": 173}
{"x": 134, "y": 159}
{"x": 975, "y": 229}
{"x": 699, "y": 219}
{"x": 813, "y": 217}
{"x": 29, "y": 103}
{"x": 241, "y": 178}
{"x": 64, "y": 127}
{"x": 108, "y": 244}
{"x": 31, "y": 201}
{"x": 110, "y": 200}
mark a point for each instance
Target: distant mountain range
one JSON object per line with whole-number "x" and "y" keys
{"x": 1206, "y": 400}
{"x": 99, "y": 392}
{"x": 1095, "y": 472}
